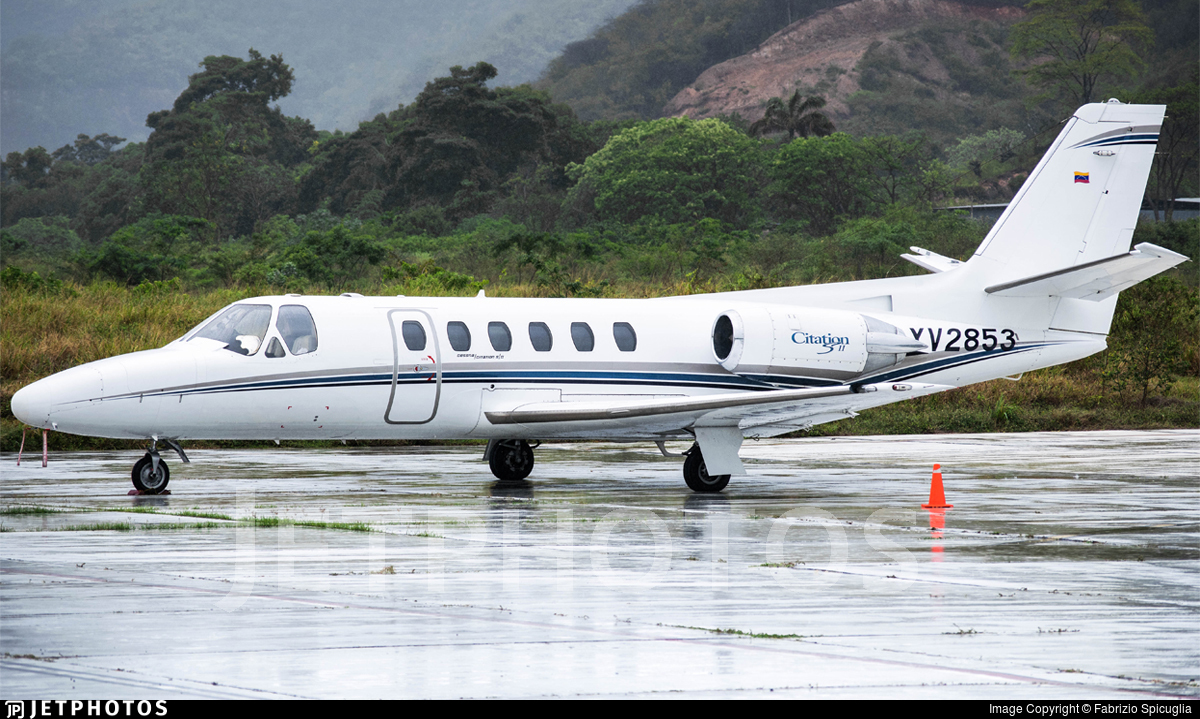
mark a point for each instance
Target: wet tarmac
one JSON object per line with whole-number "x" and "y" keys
{"x": 1066, "y": 569}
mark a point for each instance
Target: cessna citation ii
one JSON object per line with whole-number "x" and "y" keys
{"x": 712, "y": 369}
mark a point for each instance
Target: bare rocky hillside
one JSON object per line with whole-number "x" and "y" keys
{"x": 824, "y": 55}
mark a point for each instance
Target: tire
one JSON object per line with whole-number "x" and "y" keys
{"x": 511, "y": 461}
{"x": 695, "y": 473}
{"x": 146, "y": 480}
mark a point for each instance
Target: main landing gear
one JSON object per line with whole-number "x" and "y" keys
{"x": 150, "y": 473}
{"x": 511, "y": 460}
{"x": 696, "y": 474}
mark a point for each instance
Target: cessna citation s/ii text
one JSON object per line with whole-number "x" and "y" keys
{"x": 1039, "y": 291}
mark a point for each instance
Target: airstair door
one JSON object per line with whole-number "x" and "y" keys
{"x": 416, "y": 368}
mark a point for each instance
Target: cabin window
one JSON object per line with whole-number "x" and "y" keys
{"x": 413, "y": 334}
{"x": 296, "y": 327}
{"x": 241, "y": 328}
{"x": 582, "y": 336}
{"x": 540, "y": 337}
{"x": 459, "y": 336}
{"x": 275, "y": 349}
{"x": 500, "y": 336}
{"x": 625, "y": 336}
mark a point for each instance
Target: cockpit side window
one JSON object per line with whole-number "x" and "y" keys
{"x": 241, "y": 328}
{"x": 297, "y": 329}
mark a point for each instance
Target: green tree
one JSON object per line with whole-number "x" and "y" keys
{"x": 873, "y": 240}
{"x": 336, "y": 256}
{"x": 797, "y": 116}
{"x": 88, "y": 150}
{"x": 821, "y": 180}
{"x": 674, "y": 170}
{"x": 455, "y": 145}
{"x": 1153, "y": 333}
{"x": 213, "y": 154}
{"x": 973, "y": 151}
{"x": 899, "y": 166}
{"x": 152, "y": 249}
{"x": 1178, "y": 151}
{"x": 1074, "y": 45}
{"x": 30, "y": 168}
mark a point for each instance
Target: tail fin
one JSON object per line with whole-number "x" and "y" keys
{"x": 1078, "y": 207}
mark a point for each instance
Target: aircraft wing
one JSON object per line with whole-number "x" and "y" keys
{"x": 1094, "y": 280}
{"x": 740, "y": 408}
{"x": 718, "y": 421}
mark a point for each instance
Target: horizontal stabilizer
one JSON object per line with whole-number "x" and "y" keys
{"x": 1094, "y": 280}
{"x": 931, "y": 261}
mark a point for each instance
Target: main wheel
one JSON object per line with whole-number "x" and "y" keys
{"x": 511, "y": 461}
{"x": 147, "y": 480}
{"x": 697, "y": 477}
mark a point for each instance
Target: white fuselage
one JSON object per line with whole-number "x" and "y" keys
{"x": 362, "y": 381}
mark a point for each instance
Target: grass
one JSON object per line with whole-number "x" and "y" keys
{"x": 22, "y": 511}
{"x": 280, "y": 522}
{"x": 98, "y": 527}
{"x": 740, "y": 633}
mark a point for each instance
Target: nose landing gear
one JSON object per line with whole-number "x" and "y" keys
{"x": 150, "y": 473}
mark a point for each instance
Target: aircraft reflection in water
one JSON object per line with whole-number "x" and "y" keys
{"x": 1039, "y": 291}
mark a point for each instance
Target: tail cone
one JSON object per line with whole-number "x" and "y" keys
{"x": 937, "y": 495}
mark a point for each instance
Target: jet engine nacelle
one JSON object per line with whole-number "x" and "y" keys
{"x": 764, "y": 341}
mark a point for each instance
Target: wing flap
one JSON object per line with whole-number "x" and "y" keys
{"x": 621, "y": 410}
{"x": 742, "y": 408}
{"x": 1094, "y": 280}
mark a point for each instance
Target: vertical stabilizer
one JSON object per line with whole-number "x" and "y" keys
{"x": 1079, "y": 205}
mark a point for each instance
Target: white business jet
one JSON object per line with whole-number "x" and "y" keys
{"x": 712, "y": 369}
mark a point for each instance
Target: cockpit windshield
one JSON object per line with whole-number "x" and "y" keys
{"x": 241, "y": 327}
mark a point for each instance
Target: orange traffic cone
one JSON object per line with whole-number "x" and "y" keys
{"x": 937, "y": 495}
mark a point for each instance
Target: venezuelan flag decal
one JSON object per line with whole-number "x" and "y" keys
{"x": 1081, "y": 177}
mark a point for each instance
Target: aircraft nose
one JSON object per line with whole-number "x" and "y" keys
{"x": 33, "y": 404}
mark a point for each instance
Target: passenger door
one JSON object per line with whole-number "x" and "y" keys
{"x": 416, "y": 368}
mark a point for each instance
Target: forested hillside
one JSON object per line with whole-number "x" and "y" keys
{"x": 78, "y": 66}
{"x": 476, "y": 184}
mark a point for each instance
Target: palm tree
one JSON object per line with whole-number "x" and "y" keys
{"x": 798, "y": 116}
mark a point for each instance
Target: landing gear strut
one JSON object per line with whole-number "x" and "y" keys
{"x": 511, "y": 460}
{"x": 696, "y": 474}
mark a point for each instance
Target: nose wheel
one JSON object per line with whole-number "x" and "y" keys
{"x": 150, "y": 474}
{"x": 511, "y": 460}
{"x": 696, "y": 474}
